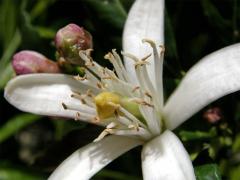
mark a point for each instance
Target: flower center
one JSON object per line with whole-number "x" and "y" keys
{"x": 106, "y": 103}
{"x": 115, "y": 101}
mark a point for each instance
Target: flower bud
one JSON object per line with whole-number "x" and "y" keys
{"x": 27, "y": 62}
{"x": 213, "y": 115}
{"x": 70, "y": 40}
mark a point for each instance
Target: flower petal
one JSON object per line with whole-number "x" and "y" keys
{"x": 44, "y": 94}
{"x": 87, "y": 161}
{"x": 145, "y": 20}
{"x": 165, "y": 158}
{"x": 214, "y": 76}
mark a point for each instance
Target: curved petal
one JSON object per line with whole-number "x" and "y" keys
{"x": 216, "y": 75}
{"x": 145, "y": 20}
{"x": 87, "y": 161}
{"x": 165, "y": 158}
{"x": 44, "y": 94}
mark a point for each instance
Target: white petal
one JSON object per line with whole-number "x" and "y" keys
{"x": 44, "y": 94}
{"x": 216, "y": 75}
{"x": 87, "y": 161}
{"x": 165, "y": 158}
{"x": 145, "y": 20}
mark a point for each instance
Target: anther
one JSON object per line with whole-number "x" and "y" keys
{"x": 146, "y": 57}
{"x": 141, "y": 102}
{"x": 134, "y": 127}
{"x": 96, "y": 119}
{"x": 79, "y": 78}
{"x": 77, "y": 117}
{"x": 99, "y": 85}
{"x": 141, "y": 63}
{"x": 162, "y": 50}
{"x": 79, "y": 97}
{"x": 148, "y": 95}
{"x": 89, "y": 93}
{"x": 64, "y": 106}
{"x": 135, "y": 88}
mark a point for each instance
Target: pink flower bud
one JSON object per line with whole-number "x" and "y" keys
{"x": 27, "y": 62}
{"x": 213, "y": 115}
{"x": 70, "y": 40}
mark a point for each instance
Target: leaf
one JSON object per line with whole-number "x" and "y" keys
{"x": 197, "y": 135}
{"x": 221, "y": 25}
{"x": 235, "y": 173}
{"x": 109, "y": 11}
{"x": 236, "y": 144}
{"x": 8, "y": 172}
{"x": 46, "y": 33}
{"x": 15, "y": 124}
{"x": 6, "y": 75}
{"x": 40, "y": 7}
{"x": 208, "y": 172}
{"x": 13, "y": 45}
{"x": 170, "y": 37}
{"x": 8, "y": 21}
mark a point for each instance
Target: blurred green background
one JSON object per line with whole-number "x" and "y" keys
{"x": 32, "y": 146}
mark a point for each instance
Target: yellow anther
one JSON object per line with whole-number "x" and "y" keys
{"x": 106, "y": 103}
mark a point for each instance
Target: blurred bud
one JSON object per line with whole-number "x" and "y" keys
{"x": 70, "y": 40}
{"x": 213, "y": 115}
{"x": 27, "y": 62}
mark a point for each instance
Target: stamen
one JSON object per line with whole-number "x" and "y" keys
{"x": 77, "y": 117}
{"x": 64, "y": 106}
{"x": 89, "y": 93}
{"x": 140, "y": 63}
{"x": 148, "y": 95}
{"x": 158, "y": 64}
{"x": 79, "y": 78}
{"x": 99, "y": 85}
{"x": 131, "y": 117}
{"x": 79, "y": 97}
{"x": 135, "y": 88}
{"x": 96, "y": 119}
{"x": 134, "y": 127}
{"x": 162, "y": 50}
{"x": 141, "y": 102}
{"x": 80, "y": 108}
{"x": 101, "y": 136}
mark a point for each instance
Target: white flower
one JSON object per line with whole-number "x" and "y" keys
{"x": 163, "y": 155}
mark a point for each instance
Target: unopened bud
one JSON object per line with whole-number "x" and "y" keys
{"x": 70, "y": 40}
{"x": 27, "y": 62}
{"x": 213, "y": 115}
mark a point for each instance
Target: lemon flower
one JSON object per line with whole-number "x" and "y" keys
{"x": 129, "y": 101}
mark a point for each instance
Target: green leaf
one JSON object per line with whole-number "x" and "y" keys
{"x": 170, "y": 37}
{"x": 15, "y": 124}
{"x": 109, "y": 11}
{"x": 46, "y": 33}
{"x": 8, "y": 172}
{"x": 236, "y": 144}
{"x": 6, "y": 75}
{"x": 221, "y": 25}
{"x": 40, "y": 7}
{"x": 235, "y": 173}
{"x": 8, "y": 20}
{"x": 208, "y": 172}
{"x": 13, "y": 45}
{"x": 197, "y": 135}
